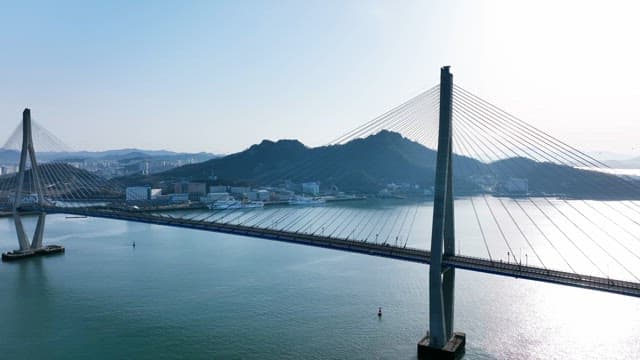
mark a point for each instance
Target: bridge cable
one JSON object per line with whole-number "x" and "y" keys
{"x": 463, "y": 143}
{"x": 588, "y": 236}
{"x": 553, "y": 205}
{"x": 588, "y": 162}
{"x": 462, "y": 132}
{"x": 610, "y": 206}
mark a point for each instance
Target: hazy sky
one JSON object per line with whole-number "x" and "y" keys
{"x": 218, "y": 76}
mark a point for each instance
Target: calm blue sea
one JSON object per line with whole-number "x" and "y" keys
{"x": 197, "y": 295}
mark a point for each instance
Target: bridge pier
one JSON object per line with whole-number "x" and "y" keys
{"x": 441, "y": 342}
{"x": 35, "y": 248}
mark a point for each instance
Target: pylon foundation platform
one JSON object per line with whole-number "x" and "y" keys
{"x": 43, "y": 251}
{"x": 452, "y": 350}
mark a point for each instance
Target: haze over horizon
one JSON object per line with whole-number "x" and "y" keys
{"x": 218, "y": 77}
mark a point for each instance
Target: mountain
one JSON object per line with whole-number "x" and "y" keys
{"x": 62, "y": 180}
{"x": 361, "y": 165}
{"x": 604, "y": 156}
{"x": 549, "y": 178}
{"x": 617, "y": 160}
{"x": 128, "y": 154}
{"x": 369, "y": 164}
{"x": 632, "y": 163}
{"x": 365, "y": 165}
{"x": 8, "y": 156}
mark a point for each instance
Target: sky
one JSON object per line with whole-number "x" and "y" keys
{"x": 218, "y": 76}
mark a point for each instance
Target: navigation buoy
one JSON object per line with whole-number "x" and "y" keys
{"x": 134, "y": 244}
{"x": 379, "y": 312}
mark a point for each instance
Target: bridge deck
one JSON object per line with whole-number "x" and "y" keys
{"x": 383, "y": 250}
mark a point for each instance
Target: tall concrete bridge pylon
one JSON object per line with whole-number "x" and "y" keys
{"x": 28, "y": 150}
{"x": 35, "y": 247}
{"x": 441, "y": 342}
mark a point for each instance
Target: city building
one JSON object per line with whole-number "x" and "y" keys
{"x": 259, "y": 195}
{"x": 282, "y": 195}
{"x": 215, "y": 196}
{"x": 138, "y": 193}
{"x": 194, "y": 189}
{"x": 7, "y": 169}
{"x": 197, "y": 188}
{"x": 218, "y": 188}
{"x": 181, "y": 187}
{"x": 179, "y": 198}
{"x": 155, "y": 194}
{"x": 239, "y": 191}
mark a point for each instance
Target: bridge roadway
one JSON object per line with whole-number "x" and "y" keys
{"x": 383, "y": 250}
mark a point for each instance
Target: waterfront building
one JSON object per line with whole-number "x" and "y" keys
{"x": 259, "y": 195}
{"x": 218, "y": 189}
{"x": 312, "y": 188}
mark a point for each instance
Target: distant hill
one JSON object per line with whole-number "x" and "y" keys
{"x": 9, "y": 156}
{"x": 12, "y": 156}
{"x": 632, "y": 163}
{"x": 62, "y": 180}
{"x": 605, "y": 156}
{"x": 130, "y": 154}
{"x": 617, "y": 160}
{"x": 369, "y": 164}
{"x": 362, "y": 165}
{"x": 549, "y": 178}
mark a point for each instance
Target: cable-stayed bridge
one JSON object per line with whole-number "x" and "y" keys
{"x": 527, "y": 205}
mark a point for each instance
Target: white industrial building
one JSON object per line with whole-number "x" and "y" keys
{"x": 155, "y": 193}
{"x": 4, "y": 170}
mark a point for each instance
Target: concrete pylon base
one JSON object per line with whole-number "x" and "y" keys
{"x": 23, "y": 254}
{"x": 452, "y": 350}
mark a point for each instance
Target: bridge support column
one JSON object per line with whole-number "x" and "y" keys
{"x": 441, "y": 342}
{"x": 35, "y": 247}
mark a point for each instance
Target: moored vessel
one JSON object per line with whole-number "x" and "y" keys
{"x": 301, "y": 200}
{"x": 235, "y": 204}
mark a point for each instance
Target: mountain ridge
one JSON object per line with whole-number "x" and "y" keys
{"x": 367, "y": 165}
{"x": 11, "y": 155}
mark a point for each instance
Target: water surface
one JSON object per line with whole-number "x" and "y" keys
{"x": 193, "y": 294}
